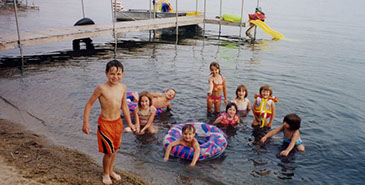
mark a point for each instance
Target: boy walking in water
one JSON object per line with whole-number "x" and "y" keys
{"x": 112, "y": 96}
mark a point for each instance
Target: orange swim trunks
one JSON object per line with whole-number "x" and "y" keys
{"x": 109, "y": 135}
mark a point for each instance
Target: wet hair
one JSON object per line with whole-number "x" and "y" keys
{"x": 266, "y": 87}
{"x": 172, "y": 90}
{"x": 147, "y": 94}
{"x": 114, "y": 63}
{"x": 241, "y": 87}
{"x": 187, "y": 127}
{"x": 229, "y": 105}
{"x": 215, "y": 64}
{"x": 293, "y": 121}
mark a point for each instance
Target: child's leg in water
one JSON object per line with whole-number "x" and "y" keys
{"x": 217, "y": 107}
{"x": 209, "y": 106}
{"x": 152, "y": 129}
{"x": 301, "y": 148}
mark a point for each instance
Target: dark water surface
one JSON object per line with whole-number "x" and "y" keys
{"x": 316, "y": 72}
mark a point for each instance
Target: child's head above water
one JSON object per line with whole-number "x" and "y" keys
{"x": 170, "y": 93}
{"x": 231, "y": 106}
{"x": 266, "y": 87}
{"x": 114, "y": 63}
{"x": 143, "y": 96}
{"x": 214, "y": 66}
{"x": 241, "y": 88}
{"x": 293, "y": 121}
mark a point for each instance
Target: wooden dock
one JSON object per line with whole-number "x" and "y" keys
{"x": 10, "y": 41}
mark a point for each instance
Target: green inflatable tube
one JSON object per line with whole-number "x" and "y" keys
{"x": 231, "y": 17}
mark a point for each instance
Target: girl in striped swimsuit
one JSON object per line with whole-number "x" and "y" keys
{"x": 144, "y": 114}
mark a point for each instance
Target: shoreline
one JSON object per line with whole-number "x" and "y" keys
{"x": 28, "y": 158}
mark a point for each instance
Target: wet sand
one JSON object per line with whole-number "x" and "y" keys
{"x": 27, "y": 158}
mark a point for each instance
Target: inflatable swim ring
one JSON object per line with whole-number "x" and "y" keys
{"x": 215, "y": 141}
{"x": 132, "y": 104}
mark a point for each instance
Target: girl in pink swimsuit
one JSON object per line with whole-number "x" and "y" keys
{"x": 217, "y": 85}
{"x": 230, "y": 117}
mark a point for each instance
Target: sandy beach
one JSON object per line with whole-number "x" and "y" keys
{"x": 27, "y": 158}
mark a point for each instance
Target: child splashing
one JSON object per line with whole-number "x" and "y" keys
{"x": 188, "y": 140}
{"x": 264, "y": 107}
{"x": 217, "y": 84}
{"x": 241, "y": 100}
{"x": 230, "y": 117}
{"x": 290, "y": 127}
{"x": 144, "y": 115}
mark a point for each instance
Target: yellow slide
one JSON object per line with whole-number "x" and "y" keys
{"x": 267, "y": 29}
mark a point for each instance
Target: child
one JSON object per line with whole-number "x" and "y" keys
{"x": 290, "y": 127}
{"x": 159, "y": 100}
{"x": 230, "y": 117}
{"x": 112, "y": 96}
{"x": 243, "y": 104}
{"x": 144, "y": 114}
{"x": 264, "y": 107}
{"x": 188, "y": 140}
{"x": 217, "y": 83}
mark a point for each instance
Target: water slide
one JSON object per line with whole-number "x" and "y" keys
{"x": 267, "y": 29}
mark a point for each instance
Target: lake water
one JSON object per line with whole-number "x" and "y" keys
{"x": 316, "y": 72}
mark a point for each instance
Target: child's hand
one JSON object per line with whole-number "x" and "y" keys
{"x": 192, "y": 165}
{"x": 133, "y": 128}
{"x": 166, "y": 158}
{"x": 263, "y": 139}
{"x": 225, "y": 101}
{"x": 284, "y": 153}
{"x": 86, "y": 128}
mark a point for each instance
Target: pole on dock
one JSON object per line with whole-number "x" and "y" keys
{"x": 83, "y": 9}
{"x": 220, "y": 18}
{"x": 154, "y": 8}
{"x": 205, "y": 10}
{"x": 258, "y": 1}
{"x": 154, "y": 16}
{"x": 177, "y": 25}
{"x": 114, "y": 33}
{"x": 196, "y": 8}
{"x": 150, "y": 18}
{"x": 241, "y": 20}
{"x": 19, "y": 40}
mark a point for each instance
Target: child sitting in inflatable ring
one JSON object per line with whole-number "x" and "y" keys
{"x": 230, "y": 117}
{"x": 188, "y": 140}
{"x": 144, "y": 114}
{"x": 264, "y": 107}
{"x": 290, "y": 127}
